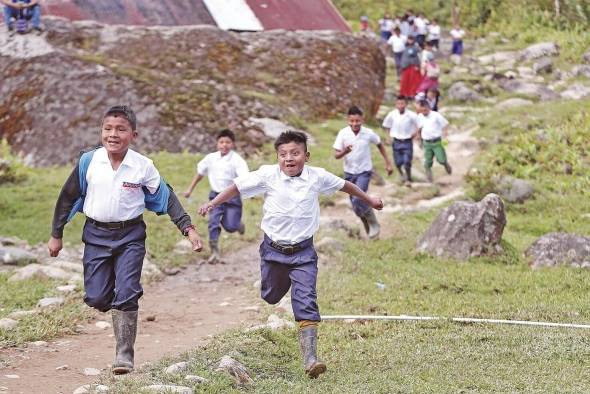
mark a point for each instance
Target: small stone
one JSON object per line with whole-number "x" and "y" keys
{"x": 176, "y": 368}
{"x": 166, "y": 388}
{"x": 225, "y": 303}
{"x": 50, "y": 302}
{"x": 62, "y": 367}
{"x": 103, "y": 325}
{"x": 151, "y": 318}
{"x": 91, "y": 372}
{"x": 20, "y": 314}
{"x": 380, "y": 286}
{"x": 39, "y": 344}
{"x": 254, "y": 308}
{"x": 91, "y": 388}
{"x": 16, "y": 256}
{"x": 195, "y": 379}
{"x": 257, "y": 284}
{"x": 12, "y": 376}
{"x": 234, "y": 369}
{"x": 330, "y": 245}
{"x": 8, "y": 324}
{"x": 66, "y": 288}
{"x": 171, "y": 271}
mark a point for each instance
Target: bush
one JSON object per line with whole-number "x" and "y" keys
{"x": 11, "y": 169}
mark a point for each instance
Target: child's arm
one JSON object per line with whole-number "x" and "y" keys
{"x": 339, "y": 154}
{"x": 388, "y": 166}
{"x": 354, "y": 190}
{"x": 70, "y": 192}
{"x": 196, "y": 179}
{"x": 183, "y": 221}
{"x": 226, "y": 195}
{"x": 446, "y": 132}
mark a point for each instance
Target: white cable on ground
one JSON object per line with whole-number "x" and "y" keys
{"x": 455, "y": 319}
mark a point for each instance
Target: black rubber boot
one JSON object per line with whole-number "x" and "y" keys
{"x": 374, "y": 227}
{"x": 408, "y": 179}
{"x": 429, "y": 174}
{"x": 308, "y": 343}
{"x": 242, "y": 228}
{"x": 365, "y": 224}
{"x": 448, "y": 168}
{"x": 215, "y": 256}
{"x": 125, "y": 328}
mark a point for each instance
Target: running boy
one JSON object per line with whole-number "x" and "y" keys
{"x": 113, "y": 185}
{"x": 353, "y": 143}
{"x": 221, "y": 167}
{"x": 433, "y": 127}
{"x": 291, "y": 215}
{"x": 402, "y": 125}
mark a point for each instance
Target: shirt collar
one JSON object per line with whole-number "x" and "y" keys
{"x": 103, "y": 157}
{"x": 304, "y": 175}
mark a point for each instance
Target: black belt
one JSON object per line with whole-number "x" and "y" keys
{"x": 116, "y": 225}
{"x": 433, "y": 140}
{"x": 286, "y": 249}
{"x": 400, "y": 140}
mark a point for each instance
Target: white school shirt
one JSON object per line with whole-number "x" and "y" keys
{"x": 115, "y": 196}
{"x": 457, "y": 34}
{"x": 421, "y": 26}
{"x": 432, "y": 125}
{"x": 291, "y": 210}
{"x": 359, "y": 159}
{"x": 434, "y": 32}
{"x": 401, "y": 126}
{"x": 398, "y": 43}
{"x": 222, "y": 170}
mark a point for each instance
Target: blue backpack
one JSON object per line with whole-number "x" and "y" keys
{"x": 157, "y": 202}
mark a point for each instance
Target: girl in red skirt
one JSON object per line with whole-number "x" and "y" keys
{"x": 410, "y": 65}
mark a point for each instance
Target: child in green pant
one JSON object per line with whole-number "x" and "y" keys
{"x": 433, "y": 128}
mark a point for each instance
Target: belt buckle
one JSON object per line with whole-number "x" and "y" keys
{"x": 289, "y": 249}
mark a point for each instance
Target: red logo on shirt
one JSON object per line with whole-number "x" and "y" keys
{"x": 131, "y": 185}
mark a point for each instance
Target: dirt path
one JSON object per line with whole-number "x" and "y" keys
{"x": 201, "y": 301}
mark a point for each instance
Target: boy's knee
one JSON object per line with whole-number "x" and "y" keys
{"x": 102, "y": 304}
{"x": 271, "y": 298}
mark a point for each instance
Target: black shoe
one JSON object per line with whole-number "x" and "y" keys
{"x": 11, "y": 31}
{"x": 38, "y": 30}
{"x": 429, "y": 174}
{"x": 448, "y": 168}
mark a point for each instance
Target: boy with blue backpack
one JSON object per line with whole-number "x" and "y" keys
{"x": 112, "y": 185}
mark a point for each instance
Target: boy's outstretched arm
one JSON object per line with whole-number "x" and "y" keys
{"x": 70, "y": 192}
{"x": 183, "y": 221}
{"x": 353, "y": 190}
{"x": 226, "y": 195}
{"x": 196, "y": 179}
{"x": 388, "y": 166}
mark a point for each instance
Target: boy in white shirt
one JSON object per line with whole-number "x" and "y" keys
{"x": 402, "y": 126}
{"x": 434, "y": 32}
{"x": 221, "y": 167}
{"x": 353, "y": 144}
{"x": 433, "y": 127}
{"x": 113, "y": 185}
{"x": 291, "y": 214}
{"x": 457, "y": 35}
{"x": 398, "y": 44}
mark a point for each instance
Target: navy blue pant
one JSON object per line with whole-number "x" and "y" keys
{"x": 403, "y": 152}
{"x": 362, "y": 180}
{"x": 33, "y": 13}
{"x": 112, "y": 266}
{"x": 228, "y": 215}
{"x": 457, "y": 47}
{"x": 299, "y": 272}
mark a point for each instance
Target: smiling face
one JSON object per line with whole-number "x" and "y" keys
{"x": 224, "y": 145}
{"x": 355, "y": 122}
{"x": 117, "y": 134}
{"x": 400, "y": 104}
{"x": 292, "y": 157}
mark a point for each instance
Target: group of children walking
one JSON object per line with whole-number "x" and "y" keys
{"x": 113, "y": 185}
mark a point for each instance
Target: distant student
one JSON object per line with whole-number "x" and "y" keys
{"x": 430, "y": 73}
{"x": 402, "y": 126}
{"x": 291, "y": 216}
{"x": 386, "y": 25}
{"x": 434, "y": 32}
{"x": 433, "y": 127}
{"x": 457, "y": 35}
{"x": 421, "y": 27}
{"x": 410, "y": 66}
{"x": 113, "y": 185}
{"x": 353, "y": 144}
{"x": 398, "y": 44}
{"x": 221, "y": 167}
{"x": 433, "y": 97}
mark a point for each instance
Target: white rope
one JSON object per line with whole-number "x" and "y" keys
{"x": 454, "y": 319}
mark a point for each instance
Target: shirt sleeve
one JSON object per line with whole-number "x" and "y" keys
{"x": 339, "y": 143}
{"x": 330, "y": 183}
{"x": 152, "y": 178}
{"x": 442, "y": 121}
{"x": 70, "y": 192}
{"x": 374, "y": 138}
{"x": 241, "y": 166}
{"x": 252, "y": 183}
{"x": 203, "y": 166}
{"x": 388, "y": 121}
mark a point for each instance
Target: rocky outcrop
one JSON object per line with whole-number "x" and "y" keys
{"x": 539, "y": 50}
{"x": 529, "y": 89}
{"x": 459, "y": 91}
{"x": 514, "y": 190}
{"x": 185, "y": 84}
{"x": 543, "y": 66}
{"x": 465, "y": 230}
{"x": 513, "y": 103}
{"x": 576, "y": 91}
{"x": 555, "y": 249}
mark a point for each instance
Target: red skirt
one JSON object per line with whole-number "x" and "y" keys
{"x": 410, "y": 80}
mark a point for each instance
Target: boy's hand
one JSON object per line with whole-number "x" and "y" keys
{"x": 389, "y": 168}
{"x": 347, "y": 149}
{"x": 195, "y": 240}
{"x": 54, "y": 245}
{"x": 206, "y": 208}
{"x": 376, "y": 202}
{"x": 187, "y": 194}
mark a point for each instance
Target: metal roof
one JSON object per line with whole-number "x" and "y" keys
{"x": 233, "y": 15}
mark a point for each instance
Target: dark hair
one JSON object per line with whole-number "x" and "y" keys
{"x": 400, "y": 97}
{"x": 354, "y": 110}
{"x": 226, "y": 133}
{"x": 124, "y": 112}
{"x": 291, "y": 136}
{"x": 423, "y": 103}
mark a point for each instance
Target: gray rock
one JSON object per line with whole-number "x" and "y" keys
{"x": 40, "y": 271}
{"x": 576, "y": 91}
{"x": 329, "y": 245}
{"x": 507, "y": 58}
{"x": 581, "y": 70}
{"x": 21, "y": 314}
{"x": 183, "y": 246}
{"x": 556, "y": 249}
{"x": 91, "y": 372}
{"x": 539, "y": 50}
{"x": 529, "y": 89}
{"x": 234, "y": 369}
{"x": 195, "y": 379}
{"x": 11, "y": 255}
{"x": 465, "y": 230}
{"x": 91, "y": 388}
{"x": 586, "y": 57}
{"x": 176, "y": 368}
{"x": 66, "y": 288}
{"x": 39, "y": 344}
{"x": 514, "y": 190}
{"x": 543, "y": 66}
{"x": 8, "y": 324}
{"x": 69, "y": 266}
{"x": 167, "y": 388}
{"x": 459, "y": 91}
{"x": 49, "y": 302}
{"x": 102, "y": 325}
{"x": 335, "y": 224}
{"x": 272, "y": 127}
{"x": 513, "y": 103}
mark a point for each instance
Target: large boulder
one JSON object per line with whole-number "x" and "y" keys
{"x": 185, "y": 83}
{"x": 459, "y": 91}
{"x": 514, "y": 190}
{"x": 529, "y": 89}
{"x": 465, "y": 230}
{"x": 555, "y": 249}
{"x": 539, "y": 50}
{"x": 543, "y": 66}
{"x": 11, "y": 255}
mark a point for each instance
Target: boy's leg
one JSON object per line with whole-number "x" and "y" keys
{"x": 35, "y": 14}
{"x": 398, "y": 159}
{"x": 274, "y": 280}
{"x": 362, "y": 181}
{"x": 408, "y": 155}
{"x": 9, "y": 13}
{"x": 214, "y": 227}
{"x": 428, "y": 156}
{"x": 99, "y": 272}
{"x": 232, "y": 216}
{"x": 441, "y": 157}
